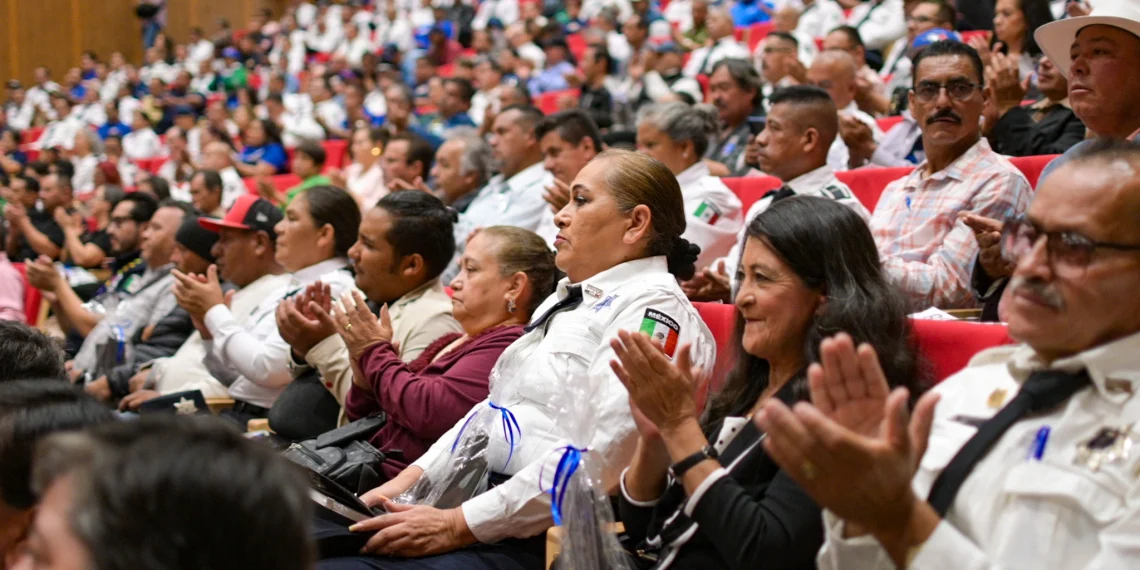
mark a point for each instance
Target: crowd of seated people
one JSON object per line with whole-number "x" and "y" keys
{"x": 387, "y": 220}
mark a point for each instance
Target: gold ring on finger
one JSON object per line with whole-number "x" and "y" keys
{"x": 809, "y": 470}
{"x": 347, "y": 327}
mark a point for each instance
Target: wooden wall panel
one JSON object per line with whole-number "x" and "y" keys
{"x": 55, "y": 32}
{"x": 8, "y": 51}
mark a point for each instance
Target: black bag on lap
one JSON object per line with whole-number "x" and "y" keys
{"x": 304, "y": 410}
{"x": 344, "y": 454}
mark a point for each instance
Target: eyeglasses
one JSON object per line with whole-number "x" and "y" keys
{"x": 1064, "y": 248}
{"x": 928, "y": 91}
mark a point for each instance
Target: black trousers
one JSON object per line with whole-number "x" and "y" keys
{"x": 510, "y": 554}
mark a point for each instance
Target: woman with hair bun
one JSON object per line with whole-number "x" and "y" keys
{"x": 678, "y": 134}
{"x": 619, "y": 244}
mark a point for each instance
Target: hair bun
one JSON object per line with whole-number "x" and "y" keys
{"x": 452, "y": 214}
{"x": 682, "y": 258}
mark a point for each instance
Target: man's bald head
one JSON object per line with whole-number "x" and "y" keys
{"x": 834, "y": 71}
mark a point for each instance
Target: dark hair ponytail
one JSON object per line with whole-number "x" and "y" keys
{"x": 682, "y": 258}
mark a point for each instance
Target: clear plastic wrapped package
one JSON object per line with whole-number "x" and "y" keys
{"x": 579, "y": 504}
{"x": 464, "y": 473}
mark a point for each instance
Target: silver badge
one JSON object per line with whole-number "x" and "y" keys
{"x": 593, "y": 291}
{"x": 185, "y": 407}
{"x": 1108, "y": 445}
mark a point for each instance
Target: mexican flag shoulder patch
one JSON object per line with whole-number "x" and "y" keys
{"x": 662, "y": 329}
{"x": 707, "y": 213}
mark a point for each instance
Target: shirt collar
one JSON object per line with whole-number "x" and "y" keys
{"x": 1047, "y": 103}
{"x": 1112, "y": 366}
{"x": 811, "y": 182}
{"x": 524, "y": 179}
{"x": 416, "y": 294}
{"x": 693, "y": 173}
{"x": 596, "y": 287}
{"x": 305, "y": 276}
{"x": 956, "y": 169}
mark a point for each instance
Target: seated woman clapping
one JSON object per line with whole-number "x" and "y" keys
{"x": 505, "y": 272}
{"x": 620, "y": 245}
{"x": 701, "y": 491}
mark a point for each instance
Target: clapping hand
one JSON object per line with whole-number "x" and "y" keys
{"x": 857, "y": 448}
{"x": 198, "y": 294}
{"x": 298, "y": 320}
{"x": 418, "y": 184}
{"x": 357, "y": 326}
{"x": 1006, "y": 86}
{"x": 987, "y": 232}
{"x": 43, "y": 275}
{"x": 710, "y": 284}
{"x": 660, "y": 390}
{"x": 557, "y": 195}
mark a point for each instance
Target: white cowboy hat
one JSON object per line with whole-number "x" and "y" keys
{"x": 1056, "y": 38}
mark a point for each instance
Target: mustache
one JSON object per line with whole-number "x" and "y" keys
{"x": 1039, "y": 289}
{"x": 944, "y": 114}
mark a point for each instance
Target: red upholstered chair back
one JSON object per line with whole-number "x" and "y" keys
{"x": 887, "y": 123}
{"x": 751, "y": 190}
{"x": 32, "y": 297}
{"x": 548, "y": 102}
{"x": 281, "y": 182}
{"x": 1031, "y": 166}
{"x": 949, "y": 345}
{"x": 868, "y": 183}
{"x": 721, "y": 320}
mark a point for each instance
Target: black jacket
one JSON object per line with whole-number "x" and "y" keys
{"x": 1015, "y": 133}
{"x": 755, "y": 517}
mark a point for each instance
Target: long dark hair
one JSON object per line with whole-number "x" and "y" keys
{"x": 829, "y": 247}
{"x": 1036, "y": 13}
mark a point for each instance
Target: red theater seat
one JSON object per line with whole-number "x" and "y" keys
{"x": 335, "y": 153}
{"x": 281, "y": 183}
{"x": 150, "y": 165}
{"x": 888, "y": 123}
{"x": 577, "y": 45}
{"x": 548, "y": 102}
{"x": 949, "y": 345}
{"x": 866, "y": 183}
{"x": 1031, "y": 166}
{"x": 32, "y": 297}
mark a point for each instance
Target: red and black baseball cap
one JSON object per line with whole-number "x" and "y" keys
{"x": 248, "y": 213}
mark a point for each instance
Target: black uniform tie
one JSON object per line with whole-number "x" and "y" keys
{"x": 1044, "y": 390}
{"x": 572, "y": 300}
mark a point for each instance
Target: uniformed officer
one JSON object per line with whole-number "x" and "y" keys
{"x": 1029, "y": 459}
{"x": 793, "y": 146}
{"x": 620, "y": 246}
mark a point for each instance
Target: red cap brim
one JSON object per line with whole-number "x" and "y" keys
{"x": 215, "y": 225}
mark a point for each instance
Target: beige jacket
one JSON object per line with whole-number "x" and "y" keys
{"x": 418, "y": 318}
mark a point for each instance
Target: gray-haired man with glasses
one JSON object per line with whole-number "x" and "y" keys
{"x": 925, "y": 250}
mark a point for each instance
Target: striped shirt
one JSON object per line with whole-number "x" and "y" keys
{"x": 925, "y": 250}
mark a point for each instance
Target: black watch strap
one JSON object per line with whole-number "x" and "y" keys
{"x": 679, "y": 468}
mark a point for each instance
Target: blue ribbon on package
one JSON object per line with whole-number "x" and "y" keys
{"x": 121, "y": 339}
{"x": 511, "y": 430}
{"x": 567, "y": 465}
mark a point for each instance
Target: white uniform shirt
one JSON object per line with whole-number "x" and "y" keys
{"x": 232, "y": 186}
{"x": 61, "y": 133}
{"x": 819, "y": 18}
{"x": 83, "y": 181}
{"x": 367, "y": 185}
{"x": 20, "y": 116}
{"x": 185, "y": 369}
{"x": 507, "y": 11}
{"x": 623, "y": 297}
{"x": 819, "y": 182}
{"x": 713, "y": 212}
{"x": 517, "y": 201}
{"x": 885, "y": 23}
{"x": 1014, "y": 512}
{"x": 251, "y": 357}
{"x": 839, "y": 156}
{"x": 141, "y": 144}
{"x": 703, "y": 59}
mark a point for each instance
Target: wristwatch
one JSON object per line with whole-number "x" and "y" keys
{"x": 679, "y": 468}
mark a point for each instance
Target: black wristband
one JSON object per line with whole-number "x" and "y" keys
{"x": 679, "y": 468}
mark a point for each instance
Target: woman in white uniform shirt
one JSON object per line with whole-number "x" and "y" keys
{"x": 312, "y": 243}
{"x": 620, "y": 245}
{"x": 678, "y": 134}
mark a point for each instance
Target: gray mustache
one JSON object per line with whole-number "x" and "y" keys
{"x": 1039, "y": 289}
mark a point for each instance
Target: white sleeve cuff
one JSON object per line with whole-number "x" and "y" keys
{"x": 216, "y": 317}
{"x": 948, "y": 549}
{"x": 631, "y": 500}
{"x": 702, "y": 488}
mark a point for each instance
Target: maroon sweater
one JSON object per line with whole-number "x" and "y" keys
{"x": 424, "y": 399}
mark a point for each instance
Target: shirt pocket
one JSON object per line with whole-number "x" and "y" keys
{"x": 565, "y": 353}
{"x": 1096, "y": 496}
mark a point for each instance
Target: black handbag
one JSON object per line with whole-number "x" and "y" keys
{"x": 305, "y": 409}
{"x": 344, "y": 454}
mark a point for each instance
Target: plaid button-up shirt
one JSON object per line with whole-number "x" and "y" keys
{"x": 925, "y": 250}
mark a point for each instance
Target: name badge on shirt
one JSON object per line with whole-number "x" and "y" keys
{"x": 1109, "y": 445}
